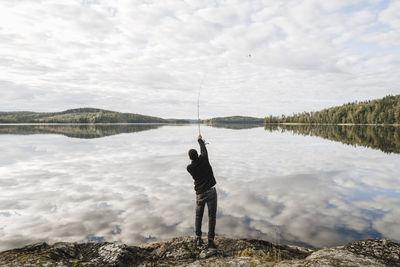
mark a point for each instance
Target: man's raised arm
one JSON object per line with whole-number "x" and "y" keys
{"x": 203, "y": 149}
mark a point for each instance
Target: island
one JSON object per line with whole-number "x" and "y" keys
{"x": 235, "y": 122}
{"x": 80, "y": 115}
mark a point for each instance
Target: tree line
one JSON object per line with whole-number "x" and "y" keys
{"x": 384, "y": 138}
{"x": 81, "y": 115}
{"x": 234, "y": 120}
{"x": 379, "y": 111}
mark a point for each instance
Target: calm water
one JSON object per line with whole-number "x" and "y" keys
{"x": 129, "y": 183}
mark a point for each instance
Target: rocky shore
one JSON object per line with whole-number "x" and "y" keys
{"x": 181, "y": 251}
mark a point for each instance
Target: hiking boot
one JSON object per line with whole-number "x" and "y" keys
{"x": 211, "y": 244}
{"x": 199, "y": 241}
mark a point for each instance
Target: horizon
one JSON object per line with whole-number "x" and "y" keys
{"x": 244, "y": 57}
{"x": 167, "y": 118}
{"x": 170, "y": 118}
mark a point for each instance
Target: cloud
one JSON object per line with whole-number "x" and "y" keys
{"x": 125, "y": 55}
{"x": 389, "y": 15}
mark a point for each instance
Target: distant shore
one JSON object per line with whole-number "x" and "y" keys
{"x": 97, "y": 123}
{"x": 333, "y": 124}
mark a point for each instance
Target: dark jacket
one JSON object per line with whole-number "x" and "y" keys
{"x": 201, "y": 171}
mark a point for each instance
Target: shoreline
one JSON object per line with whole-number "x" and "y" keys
{"x": 94, "y": 124}
{"x": 181, "y": 251}
{"x": 332, "y": 124}
{"x": 203, "y": 123}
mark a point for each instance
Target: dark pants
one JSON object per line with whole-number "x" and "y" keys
{"x": 209, "y": 197}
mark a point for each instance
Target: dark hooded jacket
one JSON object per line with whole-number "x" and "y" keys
{"x": 201, "y": 171}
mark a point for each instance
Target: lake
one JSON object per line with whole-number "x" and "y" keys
{"x": 316, "y": 186}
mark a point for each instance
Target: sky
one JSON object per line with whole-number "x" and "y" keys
{"x": 252, "y": 58}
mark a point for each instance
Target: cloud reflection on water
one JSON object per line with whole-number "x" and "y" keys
{"x": 134, "y": 187}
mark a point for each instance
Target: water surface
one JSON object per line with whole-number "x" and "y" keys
{"x": 129, "y": 183}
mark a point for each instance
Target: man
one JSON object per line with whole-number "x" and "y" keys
{"x": 204, "y": 182}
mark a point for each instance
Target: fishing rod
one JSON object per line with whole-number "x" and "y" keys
{"x": 198, "y": 97}
{"x": 198, "y": 111}
{"x": 198, "y": 102}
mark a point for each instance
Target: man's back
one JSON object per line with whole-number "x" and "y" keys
{"x": 201, "y": 171}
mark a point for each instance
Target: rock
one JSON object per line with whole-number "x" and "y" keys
{"x": 333, "y": 257}
{"x": 382, "y": 249}
{"x": 207, "y": 253}
{"x": 182, "y": 251}
{"x": 71, "y": 254}
{"x": 372, "y": 252}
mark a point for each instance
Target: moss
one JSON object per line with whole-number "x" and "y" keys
{"x": 249, "y": 252}
{"x": 258, "y": 255}
{"x": 76, "y": 263}
{"x": 268, "y": 256}
{"x": 25, "y": 258}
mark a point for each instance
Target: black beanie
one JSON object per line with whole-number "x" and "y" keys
{"x": 193, "y": 154}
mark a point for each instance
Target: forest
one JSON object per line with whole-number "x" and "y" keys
{"x": 379, "y": 111}
{"x": 384, "y": 138}
{"x": 79, "y": 115}
{"x": 234, "y": 120}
